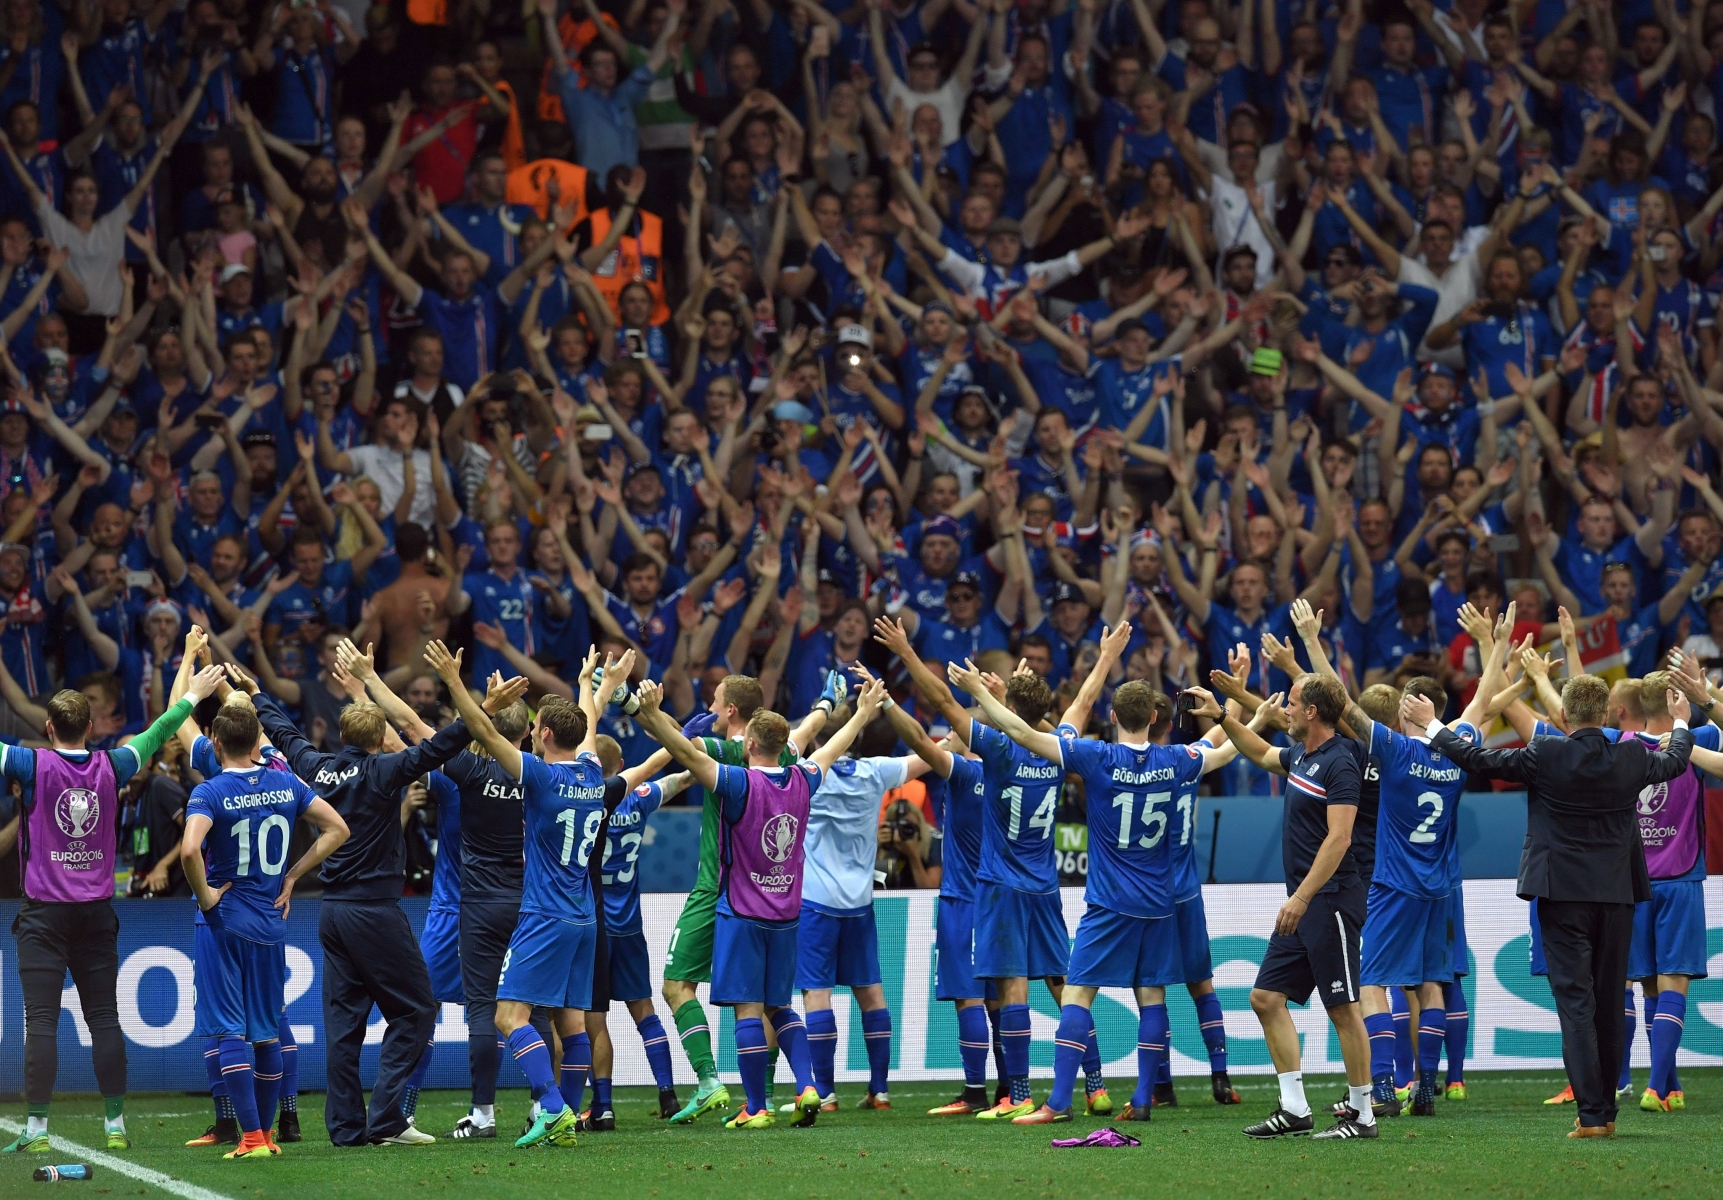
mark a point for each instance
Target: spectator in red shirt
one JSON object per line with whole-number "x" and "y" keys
{"x": 442, "y": 164}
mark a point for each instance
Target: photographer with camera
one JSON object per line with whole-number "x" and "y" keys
{"x": 911, "y": 848}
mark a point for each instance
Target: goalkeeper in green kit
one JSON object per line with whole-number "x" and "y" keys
{"x": 688, "y": 963}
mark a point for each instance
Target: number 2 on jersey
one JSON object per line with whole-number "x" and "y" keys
{"x": 1422, "y": 834}
{"x": 1041, "y": 818}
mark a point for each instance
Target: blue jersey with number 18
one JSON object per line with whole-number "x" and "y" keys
{"x": 1130, "y": 793}
{"x": 563, "y": 810}
{"x": 1017, "y": 815}
{"x": 1417, "y": 827}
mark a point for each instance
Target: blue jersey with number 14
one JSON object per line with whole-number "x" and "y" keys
{"x": 1130, "y": 794}
{"x": 1417, "y": 827}
{"x": 563, "y": 810}
{"x": 1017, "y": 816}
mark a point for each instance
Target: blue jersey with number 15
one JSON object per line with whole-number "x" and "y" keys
{"x": 1017, "y": 816}
{"x": 1130, "y": 794}
{"x": 1417, "y": 828}
{"x": 563, "y": 810}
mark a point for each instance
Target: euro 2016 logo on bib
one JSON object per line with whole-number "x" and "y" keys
{"x": 1652, "y": 799}
{"x": 77, "y": 811}
{"x": 778, "y": 838}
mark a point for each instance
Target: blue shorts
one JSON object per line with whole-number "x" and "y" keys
{"x": 1114, "y": 950}
{"x": 549, "y": 963}
{"x": 440, "y": 943}
{"x": 1462, "y": 953}
{"x": 954, "y": 940}
{"x": 836, "y": 951}
{"x": 1192, "y": 920}
{"x": 1019, "y": 935}
{"x": 1407, "y": 939}
{"x": 753, "y": 962}
{"x": 1669, "y": 931}
{"x": 630, "y": 966}
{"x": 241, "y": 986}
{"x": 1538, "y": 966}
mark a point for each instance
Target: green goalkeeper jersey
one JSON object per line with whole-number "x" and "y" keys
{"x": 731, "y": 752}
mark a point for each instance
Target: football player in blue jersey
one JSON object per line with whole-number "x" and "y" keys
{"x": 550, "y": 956}
{"x": 246, "y": 813}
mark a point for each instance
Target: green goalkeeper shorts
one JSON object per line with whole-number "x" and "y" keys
{"x": 689, "y": 958}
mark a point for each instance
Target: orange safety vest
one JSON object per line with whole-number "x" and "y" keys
{"x": 428, "y": 12}
{"x": 575, "y": 36}
{"x": 527, "y": 185}
{"x": 514, "y": 143}
{"x": 635, "y": 258}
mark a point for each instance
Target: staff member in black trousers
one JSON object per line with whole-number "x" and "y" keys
{"x": 370, "y": 955}
{"x": 1584, "y": 864}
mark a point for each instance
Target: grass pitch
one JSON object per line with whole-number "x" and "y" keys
{"x": 1502, "y": 1142}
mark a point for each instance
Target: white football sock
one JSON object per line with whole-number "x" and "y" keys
{"x": 1292, "y": 1093}
{"x": 114, "y": 1124}
{"x": 484, "y": 1114}
{"x": 36, "y": 1125}
{"x": 1360, "y": 1100}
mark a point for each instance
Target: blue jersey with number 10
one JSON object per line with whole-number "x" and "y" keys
{"x": 252, "y": 811}
{"x": 564, "y": 811}
{"x": 1130, "y": 794}
{"x": 1017, "y": 816}
{"x": 1417, "y": 830}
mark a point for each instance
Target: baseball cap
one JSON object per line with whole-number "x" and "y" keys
{"x": 1005, "y": 225}
{"x": 13, "y": 548}
{"x": 969, "y": 579}
{"x": 826, "y": 575}
{"x": 1266, "y": 361}
{"x": 1069, "y": 591}
{"x": 942, "y": 526}
{"x": 233, "y": 271}
{"x": 1124, "y": 327}
{"x": 1442, "y": 369}
{"x": 257, "y": 437}
{"x": 860, "y": 334}
{"x": 792, "y": 410}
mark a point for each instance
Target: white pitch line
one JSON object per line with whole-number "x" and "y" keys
{"x": 178, "y": 1187}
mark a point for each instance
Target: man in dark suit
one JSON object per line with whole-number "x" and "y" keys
{"x": 1584, "y": 863}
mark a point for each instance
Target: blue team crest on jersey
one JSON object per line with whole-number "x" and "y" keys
{"x": 1312, "y": 770}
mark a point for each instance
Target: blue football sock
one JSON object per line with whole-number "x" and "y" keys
{"x": 1014, "y": 1035}
{"x": 415, "y": 1081}
{"x": 576, "y": 1063}
{"x": 1628, "y": 1018}
{"x": 289, "y": 1066}
{"x": 973, "y": 1043}
{"x": 793, "y": 1041}
{"x": 1069, "y": 1045}
{"x": 601, "y": 1094}
{"x": 1666, "y": 1040}
{"x": 823, "y": 1048}
{"x": 533, "y": 1058}
{"x": 1380, "y": 1028}
{"x": 217, "y": 1083}
{"x": 999, "y": 1070}
{"x": 751, "y": 1060}
{"x": 241, "y": 1084}
{"x": 267, "y": 1088}
{"x": 876, "y": 1031}
{"x": 1093, "y": 1079}
{"x": 1402, "y": 1036}
{"x": 657, "y": 1044}
{"x": 1164, "y": 1068}
{"x": 1459, "y": 1030}
{"x": 1432, "y": 1040}
{"x": 1153, "y": 1042}
{"x": 1212, "y": 1020}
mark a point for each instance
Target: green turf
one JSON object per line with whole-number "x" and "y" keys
{"x": 1502, "y": 1141}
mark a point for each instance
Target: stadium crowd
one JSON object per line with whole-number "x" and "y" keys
{"x": 1022, "y": 319}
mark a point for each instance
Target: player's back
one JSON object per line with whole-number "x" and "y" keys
{"x": 564, "y": 812}
{"x": 446, "y": 874}
{"x": 1017, "y": 816}
{"x": 625, "y": 834}
{"x": 843, "y": 830}
{"x": 252, "y": 812}
{"x": 1130, "y": 794}
{"x": 1186, "y": 879}
{"x": 965, "y": 794}
{"x": 1417, "y": 826}
{"x": 492, "y": 849}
